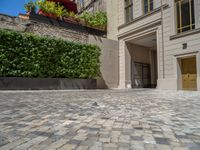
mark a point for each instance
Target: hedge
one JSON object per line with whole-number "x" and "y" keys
{"x": 28, "y": 55}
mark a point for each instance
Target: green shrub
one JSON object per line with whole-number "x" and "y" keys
{"x": 51, "y": 7}
{"x": 98, "y": 18}
{"x": 28, "y": 55}
{"x": 94, "y": 19}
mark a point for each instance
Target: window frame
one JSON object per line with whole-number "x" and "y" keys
{"x": 128, "y": 7}
{"x": 192, "y": 25}
{"x": 149, "y": 2}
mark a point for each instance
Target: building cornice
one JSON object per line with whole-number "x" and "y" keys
{"x": 186, "y": 54}
{"x": 150, "y": 25}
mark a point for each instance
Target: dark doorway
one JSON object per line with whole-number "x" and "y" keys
{"x": 141, "y": 75}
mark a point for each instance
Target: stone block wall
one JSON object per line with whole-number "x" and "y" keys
{"x": 48, "y": 27}
{"x": 56, "y": 31}
{"x": 13, "y": 23}
{"x": 109, "y": 62}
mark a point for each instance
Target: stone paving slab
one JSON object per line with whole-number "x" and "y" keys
{"x": 141, "y": 119}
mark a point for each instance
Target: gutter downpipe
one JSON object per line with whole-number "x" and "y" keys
{"x": 163, "y": 55}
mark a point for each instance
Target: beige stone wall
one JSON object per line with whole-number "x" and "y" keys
{"x": 173, "y": 47}
{"x": 121, "y": 17}
{"x": 112, "y": 14}
{"x": 139, "y": 54}
{"x": 122, "y": 71}
{"x": 197, "y": 7}
{"x": 109, "y": 62}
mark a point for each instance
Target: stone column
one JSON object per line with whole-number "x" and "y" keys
{"x": 198, "y": 70}
{"x": 124, "y": 66}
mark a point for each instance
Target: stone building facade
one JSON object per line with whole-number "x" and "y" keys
{"x": 159, "y": 44}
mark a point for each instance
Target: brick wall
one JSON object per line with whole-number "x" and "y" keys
{"x": 59, "y": 32}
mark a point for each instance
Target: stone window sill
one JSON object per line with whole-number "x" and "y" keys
{"x": 180, "y": 35}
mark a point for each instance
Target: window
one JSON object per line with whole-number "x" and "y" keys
{"x": 148, "y": 6}
{"x": 81, "y": 3}
{"x": 185, "y": 15}
{"x": 129, "y": 10}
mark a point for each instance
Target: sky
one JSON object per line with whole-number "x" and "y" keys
{"x": 12, "y": 7}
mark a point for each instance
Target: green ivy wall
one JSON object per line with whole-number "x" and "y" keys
{"x": 28, "y": 55}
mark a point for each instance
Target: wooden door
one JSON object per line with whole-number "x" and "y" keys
{"x": 189, "y": 74}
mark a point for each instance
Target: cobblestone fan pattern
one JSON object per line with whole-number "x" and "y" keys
{"x": 100, "y": 120}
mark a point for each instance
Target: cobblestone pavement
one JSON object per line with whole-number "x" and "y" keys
{"x": 102, "y": 119}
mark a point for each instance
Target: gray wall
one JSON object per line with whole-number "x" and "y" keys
{"x": 109, "y": 62}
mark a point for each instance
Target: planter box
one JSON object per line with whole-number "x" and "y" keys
{"x": 100, "y": 28}
{"x": 20, "y": 83}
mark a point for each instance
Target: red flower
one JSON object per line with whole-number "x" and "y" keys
{"x": 69, "y": 5}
